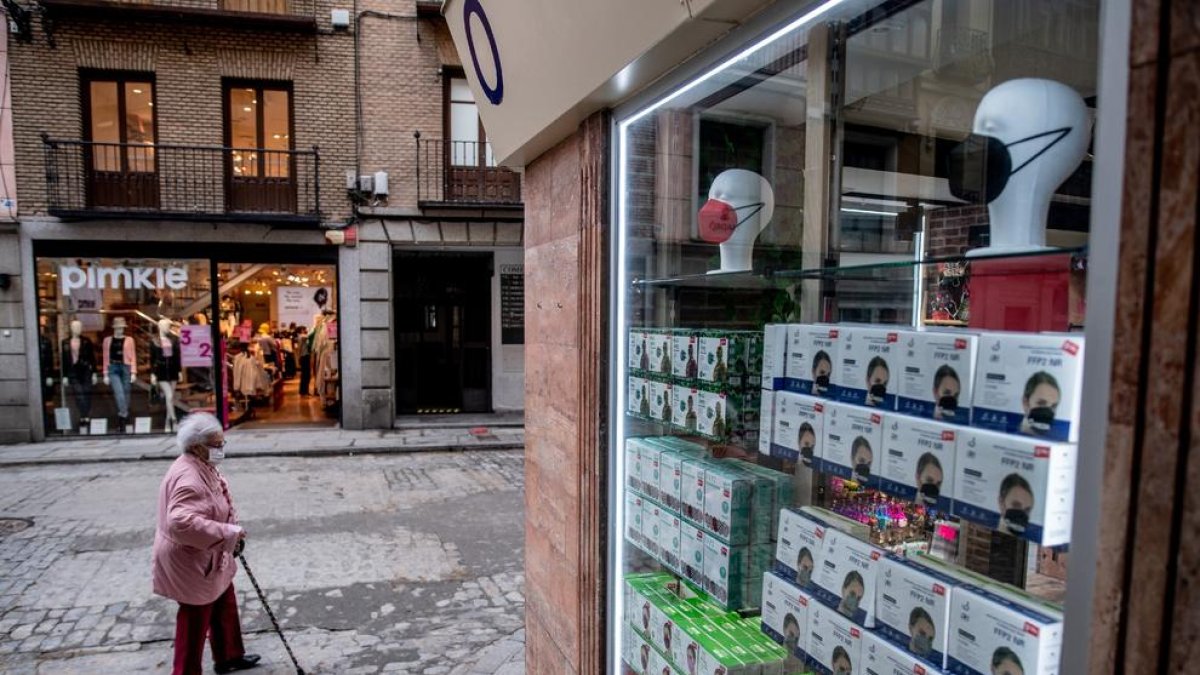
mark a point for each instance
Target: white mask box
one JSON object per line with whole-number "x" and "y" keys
{"x": 660, "y": 341}
{"x": 917, "y": 462}
{"x": 799, "y": 430}
{"x": 691, "y": 552}
{"x": 785, "y": 613}
{"x": 812, "y": 351}
{"x": 633, "y": 464}
{"x": 729, "y": 496}
{"x": 938, "y": 376}
{"x": 725, "y": 572}
{"x": 766, "y": 422}
{"x": 912, "y": 608}
{"x": 670, "y": 528}
{"x": 1029, "y": 384}
{"x": 637, "y": 402}
{"x": 853, "y": 442}
{"x": 649, "y": 454}
{"x": 686, "y": 407}
{"x": 670, "y": 463}
{"x": 997, "y": 633}
{"x": 845, "y": 579}
{"x": 660, "y": 401}
{"x": 691, "y": 489}
{"x": 633, "y": 519}
{"x": 783, "y": 489}
{"x": 685, "y": 355}
{"x": 800, "y": 547}
{"x": 652, "y": 527}
{"x": 639, "y": 352}
{"x": 879, "y": 657}
{"x": 775, "y": 350}
{"x": 868, "y": 368}
{"x": 1015, "y": 485}
{"x": 834, "y": 644}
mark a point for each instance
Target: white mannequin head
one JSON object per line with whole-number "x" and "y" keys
{"x": 740, "y": 205}
{"x": 1046, "y": 128}
{"x": 76, "y": 328}
{"x": 164, "y": 327}
{"x": 118, "y": 326}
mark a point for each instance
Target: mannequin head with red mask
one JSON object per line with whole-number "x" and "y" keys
{"x": 740, "y": 205}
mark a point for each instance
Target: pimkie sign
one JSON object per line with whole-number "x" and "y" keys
{"x": 73, "y": 277}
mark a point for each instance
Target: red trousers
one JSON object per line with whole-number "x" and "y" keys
{"x": 219, "y": 621}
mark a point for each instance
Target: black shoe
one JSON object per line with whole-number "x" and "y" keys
{"x": 247, "y": 662}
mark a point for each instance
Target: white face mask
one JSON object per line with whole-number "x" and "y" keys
{"x": 215, "y": 455}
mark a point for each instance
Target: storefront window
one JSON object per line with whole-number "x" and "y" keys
{"x": 125, "y": 345}
{"x": 852, "y": 263}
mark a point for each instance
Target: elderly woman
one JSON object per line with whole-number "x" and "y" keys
{"x": 193, "y": 550}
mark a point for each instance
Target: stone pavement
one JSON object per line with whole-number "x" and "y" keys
{"x": 269, "y": 443}
{"x": 405, "y": 563}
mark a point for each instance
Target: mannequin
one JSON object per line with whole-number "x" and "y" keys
{"x": 79, "y": 370}
{"x": 165, "y": 365}
{"x": 120, "y": 367}
{"x": 1029, "y": 136}
{"x": 740, "y": 205}
{"x": 266, "y": 343}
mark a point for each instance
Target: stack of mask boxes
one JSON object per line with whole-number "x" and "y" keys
{"x": 711, "y": 521}
{"x": 687, "y": 634}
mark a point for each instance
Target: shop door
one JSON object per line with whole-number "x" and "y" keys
{"x": 443, "y": 332}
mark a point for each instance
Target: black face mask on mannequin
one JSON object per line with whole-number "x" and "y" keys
{"x": 981, "y": 165}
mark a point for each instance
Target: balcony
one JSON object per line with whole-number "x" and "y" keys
{"x": 182, "y": 182}
{"x": 463, "y": 174}
{"x": 286, "y": 15}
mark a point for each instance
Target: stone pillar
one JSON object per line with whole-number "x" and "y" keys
{"x": 16, "y": 408}
{"x": 566, "y": 310}
{"x": 367, "y": 380}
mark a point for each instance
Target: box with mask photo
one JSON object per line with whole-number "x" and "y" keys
{"x": 1029, "y": 384}
{"x": 879, "y": 657}
{"x": 853, "y": 443}
{"x": 800, "y": 547}
{"x": 868, "y": 366}
{"x": 784, "y": 612}
{"x": 834, "y": 644}
{"x": 912, "y": 608}
{"x": 918, "y": 460}
{"x": 774, "y": 359}
{"x": 999, "y": 630}
{"x": 938, "y": 376}
{"x": 660, "y": 401}
{"x": 812, "y": 350}
{"x": 845, "y": 579}
{"x": 730, "y": 359}
{"x": 661, "y": 345}
{"x": 638, "y": 361}
{"x": 1015, "y": 485}
{"x": 799, "y": 427}
{"x": 637, "y": 402}
{"x": 685, "y": 364}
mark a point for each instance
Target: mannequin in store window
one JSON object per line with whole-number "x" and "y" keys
{"x": 120, "y": 367}
{"x": 166, "y": 363}
{"x": 79, "y": 370}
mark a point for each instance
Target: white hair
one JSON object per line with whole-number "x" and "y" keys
{"x": 196, "y": 429}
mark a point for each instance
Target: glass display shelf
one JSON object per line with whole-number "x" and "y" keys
{"x": 875, "y": 271}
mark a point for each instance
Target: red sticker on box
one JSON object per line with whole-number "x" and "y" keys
{"x": 1070, "y": 348}
{"x": 1041, "y": 452}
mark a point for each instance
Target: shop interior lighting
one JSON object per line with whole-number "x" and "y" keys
{"x": 869, "y": 212}
{"x": 623, "y": 282}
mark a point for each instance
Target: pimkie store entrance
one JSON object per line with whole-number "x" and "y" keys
{"x": 133, "y": 336}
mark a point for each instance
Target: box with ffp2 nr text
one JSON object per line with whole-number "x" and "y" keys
{"x": 853, "y": 442}
{"x": 1015, "y": 484}
{"x": 879, "y": 657}
{"x": 799, "y": 427}
{"x": 660, "y": 341}
{"x": 868, "y": 368}
{"x": 912, "y": 608}
{"x": 784, "y": 612}
{"x": 812, "y": 351}
{"x": 685, "y": 366}
{"x": 800, "y": 547}
{"x": 994, "y": 631}
{"x": 1029, "y": 384}
{"x": 846, "y": 578}
{"x": 939, "y": 374}
{"x": 918, "y": 460}
{"x": 834, "y": 644}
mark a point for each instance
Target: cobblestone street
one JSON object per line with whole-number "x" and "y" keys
{"x": 402, "y": 563}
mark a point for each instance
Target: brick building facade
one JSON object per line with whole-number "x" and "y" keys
{"x": 357, "y": 92}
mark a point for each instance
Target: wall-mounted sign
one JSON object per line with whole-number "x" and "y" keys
{"x": 299, "y": 304}
{"x": 512, "y": 304}
{"x": 73, "y": 277}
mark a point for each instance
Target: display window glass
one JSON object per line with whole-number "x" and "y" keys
{"x": 848, "y": 369}
{"x": 124, "y": 344}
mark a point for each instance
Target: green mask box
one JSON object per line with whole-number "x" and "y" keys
{"x": 728, "y": 492}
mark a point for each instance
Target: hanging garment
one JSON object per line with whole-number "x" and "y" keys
{"x": 165, "y": 359}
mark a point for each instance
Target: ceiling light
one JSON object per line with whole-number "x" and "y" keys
{"x": 137, "y": 91}
{"x": 246, "y": 108}
{"x": 277, "y": 136}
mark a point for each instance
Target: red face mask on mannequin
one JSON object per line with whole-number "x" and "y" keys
{"x": 718, "y": 219}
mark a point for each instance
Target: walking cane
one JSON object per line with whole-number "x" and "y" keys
{"x": 263, "y": 598}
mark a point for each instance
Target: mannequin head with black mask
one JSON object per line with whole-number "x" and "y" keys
{"x": 1040, "y": 402}
{"x": 1029, "y": 136}
{"x": 1016, "y": 503}
{"x": 740, "y": 205}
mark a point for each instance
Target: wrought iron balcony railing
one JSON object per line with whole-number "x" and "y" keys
{"x": 453, "y": 173}
{"x": 85, "y": 179}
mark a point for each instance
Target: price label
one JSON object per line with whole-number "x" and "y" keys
{"x": 141, "y": 425}
{"x": 196, "y": 346}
